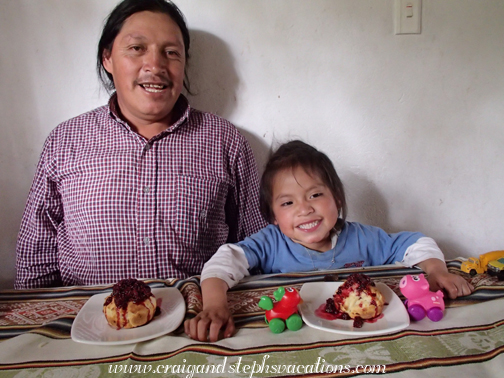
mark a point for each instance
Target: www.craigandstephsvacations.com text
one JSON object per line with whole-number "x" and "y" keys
{"x": 248, "y": 369}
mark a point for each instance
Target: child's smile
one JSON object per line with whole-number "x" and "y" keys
{"x": 309, "y": 226}
{"x": 304, "y": 208}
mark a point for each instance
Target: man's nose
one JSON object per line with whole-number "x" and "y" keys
{"x": 155, "y": 62}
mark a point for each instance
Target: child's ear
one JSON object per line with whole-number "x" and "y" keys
{"x": 275, "y": 222}
{"x": 338, "y": 206}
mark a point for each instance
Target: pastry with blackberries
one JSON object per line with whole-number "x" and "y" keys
{"x": 130, "y": 305}
{"x": 357, "y": 298}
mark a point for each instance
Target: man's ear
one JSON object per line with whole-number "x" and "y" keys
{"x": 107, "y": 61}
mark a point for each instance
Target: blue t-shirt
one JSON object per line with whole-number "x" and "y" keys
{"x": 357, "y": 245}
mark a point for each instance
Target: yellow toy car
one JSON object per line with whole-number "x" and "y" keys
{"x": 475, "y": 265}
{"x": 496, "y": 268}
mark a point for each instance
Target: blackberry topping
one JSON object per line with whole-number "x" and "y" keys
{"x": 330, "y": 306}
{"x": 128, "y": 290}
{"x": 361, "y": 280}
{"x": 345, "y": 316}
{"x": 358, "y": 322}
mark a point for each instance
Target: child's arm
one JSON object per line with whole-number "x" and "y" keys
{"x": 215, "y": 315}
{"x": 224, "y": 269}
{"x": 427, "y": 255}
{"x": 440, "y": 278}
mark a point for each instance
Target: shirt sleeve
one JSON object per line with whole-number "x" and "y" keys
{"x": 229, "y": 264}
{"x": 424, "y": 248}
{"x": 247, "y": 217}
{"x": 36, "y": 250}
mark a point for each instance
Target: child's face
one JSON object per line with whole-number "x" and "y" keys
{"x": 304, "y": 208}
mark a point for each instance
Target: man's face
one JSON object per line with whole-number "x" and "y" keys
{"x": 304, "y": 208}
{"x": 147, "y": 63}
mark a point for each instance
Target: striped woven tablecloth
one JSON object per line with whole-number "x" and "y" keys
{"x": 35, "y": 328}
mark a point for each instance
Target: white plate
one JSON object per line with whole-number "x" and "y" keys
{"x": 91, "y": 327}
{"x": 395, "y": 316}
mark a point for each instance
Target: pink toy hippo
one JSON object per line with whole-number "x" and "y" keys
{"x": 420, "y": 300}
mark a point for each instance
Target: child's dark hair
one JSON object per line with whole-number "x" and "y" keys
{"x": 295, "y": 154}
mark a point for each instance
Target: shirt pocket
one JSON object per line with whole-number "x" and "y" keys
{"x": 200, "y": 219}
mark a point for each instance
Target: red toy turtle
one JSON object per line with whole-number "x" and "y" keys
{"x": 284, "y": 312}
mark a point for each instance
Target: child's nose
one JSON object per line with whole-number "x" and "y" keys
{"x": 305, "y": 208}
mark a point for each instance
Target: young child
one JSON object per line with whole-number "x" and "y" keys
{"x": 303, "y": 199}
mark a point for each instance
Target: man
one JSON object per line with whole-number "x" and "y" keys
{"x": 145, "y": 187}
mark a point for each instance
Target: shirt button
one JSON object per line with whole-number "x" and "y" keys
{"x": 147, "y": 147}
{"x": 146, "y": 189}
{"x": 146, "y": 241}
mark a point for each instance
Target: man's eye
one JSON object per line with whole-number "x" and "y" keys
{"x": 136, "y": 48}
{"x": 172, "y": 53}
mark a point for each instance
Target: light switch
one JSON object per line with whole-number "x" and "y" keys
{"x": 409, "y": 10}
{"x": 408, "y": 16}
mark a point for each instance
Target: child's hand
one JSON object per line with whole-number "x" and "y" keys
{"x": 440, "y": 278}
{"x": 207, "y": 325}
{"x": 454, "y": 285}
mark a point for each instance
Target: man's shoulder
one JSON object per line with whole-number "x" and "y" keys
{"x": 217, "y": 130}
{"x": 101, "y": 112}
{"x": 211, "y": 121}
{"x": 83, "y": 123}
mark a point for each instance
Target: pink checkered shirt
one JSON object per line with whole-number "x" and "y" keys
{"x": 106, "y": 204}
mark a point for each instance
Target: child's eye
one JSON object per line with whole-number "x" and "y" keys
{"x": 316, "y": 195}
{"x": 286, "y": 203}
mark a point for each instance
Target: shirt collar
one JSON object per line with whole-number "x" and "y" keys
{"x": 181, "y": 110}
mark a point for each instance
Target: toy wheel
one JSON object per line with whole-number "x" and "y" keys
{"x": 276, "y": 325}
{"x": 435, "y": 314}
{"x": 417, "y": 312}
{"x": 500, "y": 276}
{"x": 472, "y": 272}
{"x": 294, "y": 322}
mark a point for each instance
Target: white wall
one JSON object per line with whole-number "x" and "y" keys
{"x": 413, "y": 123}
